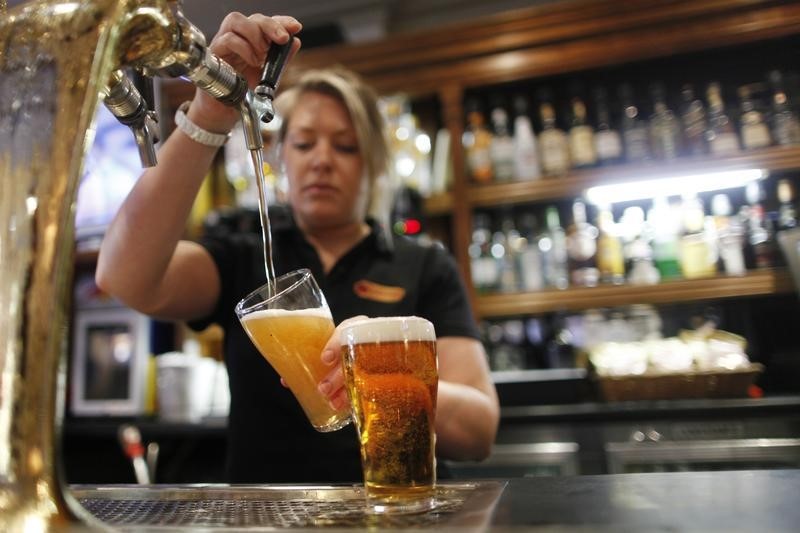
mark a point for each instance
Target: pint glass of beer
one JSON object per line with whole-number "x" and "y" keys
{"x": 391, "y": 375}
{"x": 290, "y": 322}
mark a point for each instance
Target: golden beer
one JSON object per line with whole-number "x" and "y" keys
{"x": 290, "y": 323}
{"x": 391, "y": 376}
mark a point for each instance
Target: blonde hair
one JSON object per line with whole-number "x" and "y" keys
{"x": 361, "y": 103}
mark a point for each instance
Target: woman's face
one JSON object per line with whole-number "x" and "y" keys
{"x": 327, "y": 187}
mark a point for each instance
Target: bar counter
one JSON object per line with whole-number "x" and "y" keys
{"x": 759, "y": 500}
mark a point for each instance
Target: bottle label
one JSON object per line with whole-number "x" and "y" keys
{"x": 485, "y": 272}
{"x": 581, "y": 247}
{"x": 636, "y": 144}
{"x": 555, "y": 153}
{"x": 724, "y": 143}
{"x": 480, "y": 164}
{"x": 608, "y": 145}
{"x": 755, "y": 136}
{"x": 502, "y": 152}
{"x": 582, "y": 151}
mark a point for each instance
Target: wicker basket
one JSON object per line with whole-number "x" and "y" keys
{"x": 699, "y": 384}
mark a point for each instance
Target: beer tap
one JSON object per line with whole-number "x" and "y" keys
{"x": 131, "y": 108}
{"x": 57, "y": 58}
{"x": 187, "y": 56}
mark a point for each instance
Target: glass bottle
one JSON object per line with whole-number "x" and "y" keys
{"x": 730, "y": 235}
{"x": 608, "y": 143}
{"x": 696, "y": 257}
{"x": 693, "y": 116}
{"x": 553, "y": 145}
{"x": 787, "y": 213}
{"x": 755, "y": 133}
{"x": 634, "y": 129}
{"x": 582, "y": 248}
{"x": 785, "y": 124}
{"x": 483, "y": 267}
{"x": 504, "y": 251}
{"x": 531, "y": 269}
{"x": 501, "y": 148}
{"x": 761, "y": 236}
{"x": 664, "y": 225}
{"x": 526, "y": 150}
{"x": 553, "y": 247}
{"x": 637, "y": 250}
{"x": 664, "y": 126}
{"x": 581, "y": 137}
{"x": 477, "y": 142}
{"x": 610, "y": 257}
{"x": 721, "y": 134}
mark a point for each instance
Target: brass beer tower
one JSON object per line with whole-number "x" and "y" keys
{"x": 58, "y": 60}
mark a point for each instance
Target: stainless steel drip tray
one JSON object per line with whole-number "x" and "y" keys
{"x": 249, "y": 507}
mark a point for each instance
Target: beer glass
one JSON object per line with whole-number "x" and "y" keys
{"x": 289, "y": 322}
{"x": 391, "y": 376}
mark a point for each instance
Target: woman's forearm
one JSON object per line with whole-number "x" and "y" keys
{"x": 466, "y": 422}
{"x": 142, "y": 239}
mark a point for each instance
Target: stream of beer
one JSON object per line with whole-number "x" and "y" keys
{"x": 266, "y": 232}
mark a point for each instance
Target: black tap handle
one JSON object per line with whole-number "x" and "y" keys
{"x": 273, "y": 65}
{"x": 144, "y": 84}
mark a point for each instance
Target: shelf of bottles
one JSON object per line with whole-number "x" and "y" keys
{"x": 576, "y": 181}
{"x": 691, "y": 233}
{"x": 755, "y": 283}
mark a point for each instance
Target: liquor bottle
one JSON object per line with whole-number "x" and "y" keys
{"x": 634, "y": 129}
{"x": 663, "y": 223}
{"x": 477, "y": 141}
{"x": 531, "y": 269}
{"x": 785, "y": 124}
{"x": 607, "y": 141}
{"x": 787, "y": 213}
{"x": 637, "y": 251}
{"x": 484, "y": 268}
{"x": 721, "y": 134}
{"x": 501, "y": 149}
{"x": 559, "y": 348}
{"x": 730, "y": 235}
{"x": 526, "y": 150}
{"x": 553, "y": 246}
{"x": 582, "y": 248}
{"x": 697, "y": 259}
{"x": 664, "y": 126}
{"x": 581, "y": 137}
{"x": 761, "y": 237}
{"x": 693, "y": 116}
{"x": 553, "y": 145}
{"x": 610, "y": 257}
{"x": 505, "y": 250}
{"x": 755, "y": 133}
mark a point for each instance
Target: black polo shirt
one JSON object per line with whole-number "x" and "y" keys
{"x": 269, "y": 437}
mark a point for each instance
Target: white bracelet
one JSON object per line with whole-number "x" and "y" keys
{"x": 195, "y": 132}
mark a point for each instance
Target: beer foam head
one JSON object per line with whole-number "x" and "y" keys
{"x": 320, "y": 312}
{"x": 387, "y": 329}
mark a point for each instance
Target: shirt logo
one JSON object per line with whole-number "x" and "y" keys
{"x": 369, "y": 290}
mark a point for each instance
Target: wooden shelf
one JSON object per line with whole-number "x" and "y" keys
{"x": 576, "y": 182}
{"x": 439, "y": 204}
{"x": 755, "y": 283}
{"x": 552, "y": 39}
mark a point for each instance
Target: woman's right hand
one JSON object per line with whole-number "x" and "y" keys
{"x": 242, "y": 42}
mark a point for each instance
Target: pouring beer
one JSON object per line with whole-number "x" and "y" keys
{"x": 289, "y": 321}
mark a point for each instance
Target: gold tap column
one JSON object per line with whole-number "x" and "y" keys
{"x": 54, "y": 57}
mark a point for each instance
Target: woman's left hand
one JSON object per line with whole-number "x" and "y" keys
{"x": 332, "y": 386}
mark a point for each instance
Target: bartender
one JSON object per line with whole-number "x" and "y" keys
{"x": 335, "y": 157}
